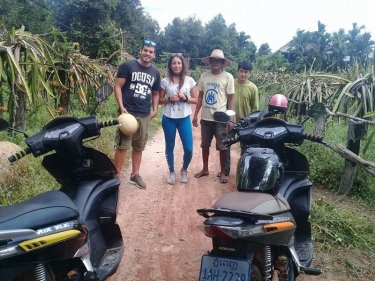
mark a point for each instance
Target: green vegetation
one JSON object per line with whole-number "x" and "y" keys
{"x": 326, "y": 166}
{"x": 338, "y": 227}
{"x": 343, "y": 239}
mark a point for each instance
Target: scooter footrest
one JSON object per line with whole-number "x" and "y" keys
{"x": 110, "y": 261}
{"x": 312, "y": 271}
{"x": 304, "y": 248}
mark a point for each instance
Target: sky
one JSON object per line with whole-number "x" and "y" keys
{"x": 269, "y": 21}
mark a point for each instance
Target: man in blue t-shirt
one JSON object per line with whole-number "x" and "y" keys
{"x": 136, "y": 88}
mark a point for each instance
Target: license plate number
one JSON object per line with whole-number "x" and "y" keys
{"x": 224, "y": 269}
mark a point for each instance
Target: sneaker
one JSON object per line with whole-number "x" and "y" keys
{"x": 171, "y": 178}
{"x": 137, "y": 180}
{"x": 183, "y": 176}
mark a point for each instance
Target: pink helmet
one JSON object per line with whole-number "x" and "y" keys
{"x": 278, "y": 102}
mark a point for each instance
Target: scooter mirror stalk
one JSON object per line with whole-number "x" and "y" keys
{"x": 4, "y": 125}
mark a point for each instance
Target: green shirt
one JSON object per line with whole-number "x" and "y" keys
{"x": 247, "y": 99}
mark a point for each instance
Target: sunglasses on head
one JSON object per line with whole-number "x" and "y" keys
{"x": 149, "y": 42}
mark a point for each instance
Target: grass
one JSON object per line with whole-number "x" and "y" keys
{"x": 336, "y": 226}
{"x": 343, "y": 239}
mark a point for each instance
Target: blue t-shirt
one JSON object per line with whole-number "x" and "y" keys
{"x": 137, "y": 90}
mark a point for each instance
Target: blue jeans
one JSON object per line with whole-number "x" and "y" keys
{"x": 185, "y": 130}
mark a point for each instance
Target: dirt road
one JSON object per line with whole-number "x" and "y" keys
{"x": 159, "y": 224}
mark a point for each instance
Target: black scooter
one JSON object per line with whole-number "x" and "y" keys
{"x": 69, "y": 234}
{"x": 262, "y": 231}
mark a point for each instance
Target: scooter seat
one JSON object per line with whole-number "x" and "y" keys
{"x": 256, "y": 202}
{"x": 40, "y": 211}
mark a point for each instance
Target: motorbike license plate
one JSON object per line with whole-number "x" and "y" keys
{"x": 224, "y": 269}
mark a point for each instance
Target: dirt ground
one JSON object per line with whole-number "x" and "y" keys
{"x": 159, "y": 224}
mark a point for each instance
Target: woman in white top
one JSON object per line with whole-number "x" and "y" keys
{"x": 178, "y": 91}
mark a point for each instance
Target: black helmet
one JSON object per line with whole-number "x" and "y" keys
{"x": 259, "y": 169}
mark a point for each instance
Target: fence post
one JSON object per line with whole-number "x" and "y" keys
{"x": 355, "y": 132}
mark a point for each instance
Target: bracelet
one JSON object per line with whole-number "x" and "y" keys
{"x": 187, "y": 99}
{"x": 169, "y": 99}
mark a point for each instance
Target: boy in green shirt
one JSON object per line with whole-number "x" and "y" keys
{"x": 247, "y": 98}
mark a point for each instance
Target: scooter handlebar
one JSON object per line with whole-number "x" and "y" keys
{"x": 313, "y": 138}
{"x": 109, "y": 123}
{"x": 17, "y": 156}
{"x": 231, "y": 141}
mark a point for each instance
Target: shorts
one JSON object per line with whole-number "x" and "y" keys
{"x": 209, "y": 129}
{"x": 138, "y": 140}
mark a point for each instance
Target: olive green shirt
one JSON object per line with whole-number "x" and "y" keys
{"x": 247, "y": 99}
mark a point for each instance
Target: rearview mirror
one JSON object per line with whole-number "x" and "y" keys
{"x": 102, "y": 94}
{"x": 317, "y": 110}
{"x": 4, "y": 125}
{"x": 221, "y": 117}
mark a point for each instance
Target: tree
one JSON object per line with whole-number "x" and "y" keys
{"x": 184, "y": 36}
{"x": 89, "y": 23}
{"x": 136, "y": 24}
{"x": 264, "y": 49}
{"x": 359, "y": 44}
{"x": 34, "y": 15}
{"x": 235, "y": 49}
{"x": 217, "y": 36}
{"x": 320, "y": 51}
{"x": 339, "y": 49}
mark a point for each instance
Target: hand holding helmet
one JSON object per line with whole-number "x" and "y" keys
{"x": 128, "y": 124}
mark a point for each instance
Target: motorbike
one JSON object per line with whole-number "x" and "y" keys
{"x": 70, "y": 233}
{"x": 262, "y": 231}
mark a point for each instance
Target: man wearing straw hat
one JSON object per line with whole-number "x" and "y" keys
{"x": 216, "y": 93}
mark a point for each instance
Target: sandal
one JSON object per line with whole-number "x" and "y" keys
{"x": 223, "y": 179}
{"x": 200, "y": 174}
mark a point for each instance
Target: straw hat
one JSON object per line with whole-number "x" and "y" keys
{"x": 217, "y": 54}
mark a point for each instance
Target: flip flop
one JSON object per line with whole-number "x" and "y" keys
{"x": 223, "y": 179}
{"x": 200, "y": 174}
{"x": 219, "y": 174}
